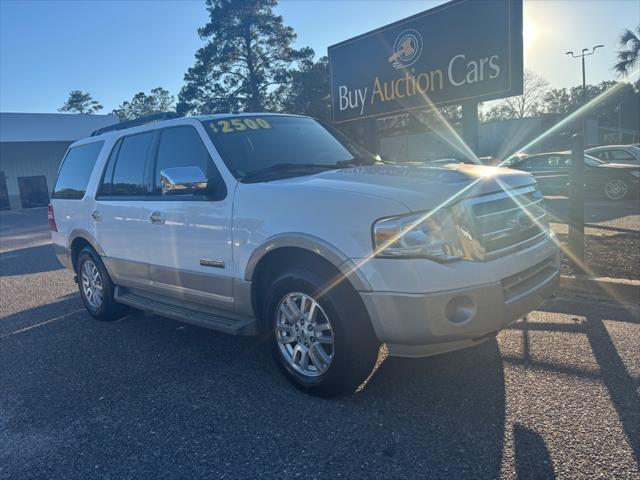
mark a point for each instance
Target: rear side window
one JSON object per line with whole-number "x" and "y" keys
{"x": 182, "y": 147}
{"x": 620, "y": 155}
{"x": 76, "y": 170}
{"x": 125, "y": 172}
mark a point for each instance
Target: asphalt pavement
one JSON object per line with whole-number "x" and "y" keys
{"x": 555, "y": 395}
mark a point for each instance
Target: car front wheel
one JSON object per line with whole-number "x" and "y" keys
{"x": 322, "y": 337}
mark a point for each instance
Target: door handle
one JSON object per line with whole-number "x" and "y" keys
{"x": 156, "y": 218}
{"x": 95, "y": 214}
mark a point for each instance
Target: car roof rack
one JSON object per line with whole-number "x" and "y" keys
{"x": 156, "y": 117}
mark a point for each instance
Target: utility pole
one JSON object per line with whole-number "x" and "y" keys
{"x": 585, "y": 53}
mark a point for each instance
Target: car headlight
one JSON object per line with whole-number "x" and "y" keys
{"x": 431, "y": 235}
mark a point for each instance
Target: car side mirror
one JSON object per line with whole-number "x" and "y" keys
{"x": 183, "y": 181}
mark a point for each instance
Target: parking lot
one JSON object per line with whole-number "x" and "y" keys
{"x": 557, "y": 394}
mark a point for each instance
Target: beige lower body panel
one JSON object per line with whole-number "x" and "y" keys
{"x": 414, "y": 325}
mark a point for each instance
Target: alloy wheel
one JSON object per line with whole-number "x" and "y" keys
{"x": 92, "y": 285}
{"x": 615, "y": 189}
{"x": 304, "y": 334}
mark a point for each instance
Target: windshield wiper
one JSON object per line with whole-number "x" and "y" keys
{"x": 290, "y": 167}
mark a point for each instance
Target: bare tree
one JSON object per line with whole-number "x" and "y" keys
{"x": 529, "y": 104}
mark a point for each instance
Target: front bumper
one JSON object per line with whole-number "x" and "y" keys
{"x": 422, "y": 324}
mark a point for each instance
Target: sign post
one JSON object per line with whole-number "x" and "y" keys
{"x": 576, "y": 207}
{"x": 461, "y": 52}
{"x": 470, "y": 125}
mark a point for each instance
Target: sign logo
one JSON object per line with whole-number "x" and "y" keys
{"x": 406, "y": 49}
{"x": 387, "y": 71}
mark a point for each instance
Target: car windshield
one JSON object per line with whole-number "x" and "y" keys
{"x": 253, "y": 146}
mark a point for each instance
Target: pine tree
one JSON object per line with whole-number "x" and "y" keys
{"x": 141, "y": 105}
{"x": 248, "y": 55}
{"x": 80, "y": 102}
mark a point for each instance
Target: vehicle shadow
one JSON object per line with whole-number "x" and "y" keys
{"x": 453, "y": 403}
{"x": 28, "y": 260}
{"x": 148, "y": 396}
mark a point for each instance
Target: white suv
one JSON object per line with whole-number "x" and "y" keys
{"x": 279, "y": 225}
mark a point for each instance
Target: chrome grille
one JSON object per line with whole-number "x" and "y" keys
{"x": 503, "y": 222}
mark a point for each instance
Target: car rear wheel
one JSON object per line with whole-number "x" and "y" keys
{"x": 616, "y": 189}
{"x": 322, "y": 337}
{"x": 96, "y": 288}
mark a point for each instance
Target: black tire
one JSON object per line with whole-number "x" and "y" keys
{"x": 617, "y": 189}
{"x": 108, "y": 309}
{"x": 355, "y": 348}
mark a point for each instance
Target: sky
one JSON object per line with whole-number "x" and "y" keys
{"x": 114, "y": 49}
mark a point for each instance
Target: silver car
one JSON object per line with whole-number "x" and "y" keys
{"x": 629, "y": 154}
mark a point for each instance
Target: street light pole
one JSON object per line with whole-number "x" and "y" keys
{"x": 585, "y": 53}
{"x": 576, "y": 189}
{"x": 584, "y": 81}
{"x": 619, "y": 122}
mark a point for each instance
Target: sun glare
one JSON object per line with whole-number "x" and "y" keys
{"x": 529, "y": 32}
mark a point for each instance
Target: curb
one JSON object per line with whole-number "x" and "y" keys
{"x": 617, "y": 289}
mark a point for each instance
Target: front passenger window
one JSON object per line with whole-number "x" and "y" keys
{"x": 182, "y": 147}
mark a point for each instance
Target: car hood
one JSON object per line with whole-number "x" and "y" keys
{"x": 418, "y": 187}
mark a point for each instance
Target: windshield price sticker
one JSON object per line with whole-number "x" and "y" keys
{"x": 230, "y": 125}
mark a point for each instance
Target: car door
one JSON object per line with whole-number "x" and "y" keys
{"x": 190, "y": 233}
{"x": 539, "y": 167}
{"x": 119, "y": 214}
{"x": 560, "y": 169}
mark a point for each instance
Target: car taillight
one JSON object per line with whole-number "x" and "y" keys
{"x": 51, "y": 218}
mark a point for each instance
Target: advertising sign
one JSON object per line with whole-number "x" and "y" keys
{"x": 461, "y": 50}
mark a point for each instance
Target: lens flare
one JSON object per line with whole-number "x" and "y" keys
{"x": 449, "y": 135}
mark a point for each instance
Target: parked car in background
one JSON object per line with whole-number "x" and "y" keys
{"x": 616, "y": 153}
{"x": 278, "y": 225}
{"x": 553, "y": 171}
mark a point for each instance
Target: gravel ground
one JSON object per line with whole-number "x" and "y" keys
{"x": 555, "y": 395}
{"x": 615, "y": 255}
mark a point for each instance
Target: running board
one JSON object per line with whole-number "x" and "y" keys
{"x": 194, "y": 317}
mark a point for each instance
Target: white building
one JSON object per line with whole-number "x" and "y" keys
{"x": 31, "y": 148}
